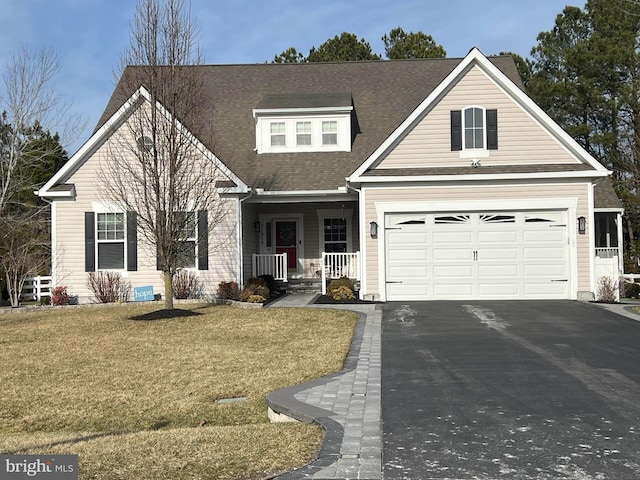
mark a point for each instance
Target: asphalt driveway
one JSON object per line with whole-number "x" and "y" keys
{"x": 514, "y": 390}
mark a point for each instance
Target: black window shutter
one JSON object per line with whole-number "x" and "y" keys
{"x": 456, "y": 130}
{"x": 203, "y": 240}
{"x": 89, "y": 242}
{"x": 492, "y": 129}
{"x": 132, "y": 241}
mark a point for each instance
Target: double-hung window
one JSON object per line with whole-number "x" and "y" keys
{"x": 329, "y": 132}
{"x": 188, "y": 239}
{"x": 335, "y": 235}
{"x": 110, "y": 237}
{"x": 303, "y": 133}
{"x": 473, "y": 128}
{"x": 278, "y": 134}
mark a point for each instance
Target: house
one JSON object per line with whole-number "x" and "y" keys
{"x": 421, "y": 179}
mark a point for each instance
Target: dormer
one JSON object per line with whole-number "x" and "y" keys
{"x": 290, "y": 123}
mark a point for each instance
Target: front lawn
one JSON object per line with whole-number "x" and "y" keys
{"x": 138, "y": 399}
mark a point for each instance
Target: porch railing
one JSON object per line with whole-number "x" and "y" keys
{"x": 270, "y": 264}
{"x": 338, "y": 265}
{"x": 607, "y": 252}
{"x": 35, "y": 288}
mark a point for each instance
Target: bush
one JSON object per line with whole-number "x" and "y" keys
{"x": 186, "y": 285}
{"x": 108, "y": 287}
{"x": 255, "y": 299}
{"x": 270, "y": 282}
{"x": 631, "y": 290}
{"x": 340, "y": 282}
{"x": 228, "y": 290}
{"x": 254, "y": 286}
{"x": 607, "y": 290}
{"x": 59, "y": 296}
{"x": 342, "y": 293}
{"x": 341, "y": 289}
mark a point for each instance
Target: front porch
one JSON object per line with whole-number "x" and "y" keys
{"x": 301, "y": 242}
{"x": 332, "y": 265}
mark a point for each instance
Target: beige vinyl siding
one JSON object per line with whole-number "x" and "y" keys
{"x": 515, "y": 191}
{"x": 521, "y": 140}
{"x": 69, "y": 234}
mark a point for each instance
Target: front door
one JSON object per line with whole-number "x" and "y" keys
{"x": 287, "y": 241}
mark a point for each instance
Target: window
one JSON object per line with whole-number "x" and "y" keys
{"x": 303, "y": 133}
{"x": 473, "y": 128}
{"x": 187, "y": 234}
{"x": 330, "y": 132}
{"x": 278, "y": 134}
{"x": 335, "y": 235}
{"x": 110, "y": 233}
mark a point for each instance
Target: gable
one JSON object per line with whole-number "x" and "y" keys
{"x": 113, "y": 138}
{"x": 522, "y": 140}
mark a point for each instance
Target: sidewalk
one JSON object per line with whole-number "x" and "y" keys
{"x": 347, "y": 404}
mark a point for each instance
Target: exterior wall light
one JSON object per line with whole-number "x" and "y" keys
{"x": 256, "y": 227}
{"x": 582, "y": 225}
{"x": 373, "y": 229}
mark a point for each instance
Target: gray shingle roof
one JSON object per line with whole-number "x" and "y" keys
{"x": 384, "y": 93}
{"x": 604, "y": 196}
{"x": 309, "y": 100}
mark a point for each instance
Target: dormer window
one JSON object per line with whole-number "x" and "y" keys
{"x": 330, "y": 132}
{"x": 304, "y": 123}
{"x": 278, "y": 134}
{"x": 474, "y": 131}
{"x": 303, "y": 133}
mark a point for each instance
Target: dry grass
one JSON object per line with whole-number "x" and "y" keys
{"x": 128, "y": 396}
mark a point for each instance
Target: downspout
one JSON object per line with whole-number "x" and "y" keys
{"x": 239, "y": 235}
{"x": 363, "y": 239}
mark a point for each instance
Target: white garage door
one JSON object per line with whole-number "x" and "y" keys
{"x": 491, "y": 255}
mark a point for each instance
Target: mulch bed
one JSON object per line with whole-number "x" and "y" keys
{"x": 164, "y": 314}
{"x": 327, "y": 300}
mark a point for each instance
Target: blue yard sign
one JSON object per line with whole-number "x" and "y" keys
{"x": 141, "y": 294}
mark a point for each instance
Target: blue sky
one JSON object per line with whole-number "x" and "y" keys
{"x": 90, "y": 35}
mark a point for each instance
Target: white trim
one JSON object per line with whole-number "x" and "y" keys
{"x": 363, "y": 232}
{"x": 258, "y": 112}
{"x": 591, "y": 228}
{"x": 475, "y": 57}
{"x": 480, "y": 176}
{"x": 54, "y": 244}
{"x": 107, "y": 129}
{"x": 568, "y": 204}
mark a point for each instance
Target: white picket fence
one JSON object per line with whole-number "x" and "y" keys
{"x": 35, "y": 288}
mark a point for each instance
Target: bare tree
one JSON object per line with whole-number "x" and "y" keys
{"x": 157, "y": 169}
{"x": 28, "y": 155}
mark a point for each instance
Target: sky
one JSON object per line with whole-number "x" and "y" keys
{"x": 89, "y": 36}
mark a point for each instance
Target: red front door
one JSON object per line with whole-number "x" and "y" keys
{"x": 287, "y": 241}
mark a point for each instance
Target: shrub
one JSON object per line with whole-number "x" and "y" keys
{"x": 254, "y": 286}
{"x": 270, "y": 282}
{"x": 342, "y": 293}
{"x": 108, "y": 287}
{"x": 341, "y": 289}
{"x": 59, "y": 296}
{"x": 186, "y": 285}
{"x": 255, "y": 299}
{"x": 340, "y": 282}
{"x": 607, "y": 290}
{"x": 630, "y": 290}
{"x": 228, "y": 290}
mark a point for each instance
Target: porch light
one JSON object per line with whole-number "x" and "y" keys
{"x": 256, "y": 227}
{"x": 373, "y": 229}
{"x": 582, "y": 225}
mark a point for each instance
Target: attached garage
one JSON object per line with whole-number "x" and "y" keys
{"x": 477, "y": 255}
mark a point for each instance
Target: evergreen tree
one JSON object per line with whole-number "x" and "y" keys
{"x": 399, "y": 44}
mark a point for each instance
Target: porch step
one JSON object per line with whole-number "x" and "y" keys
{"x": 303, "y": 285}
